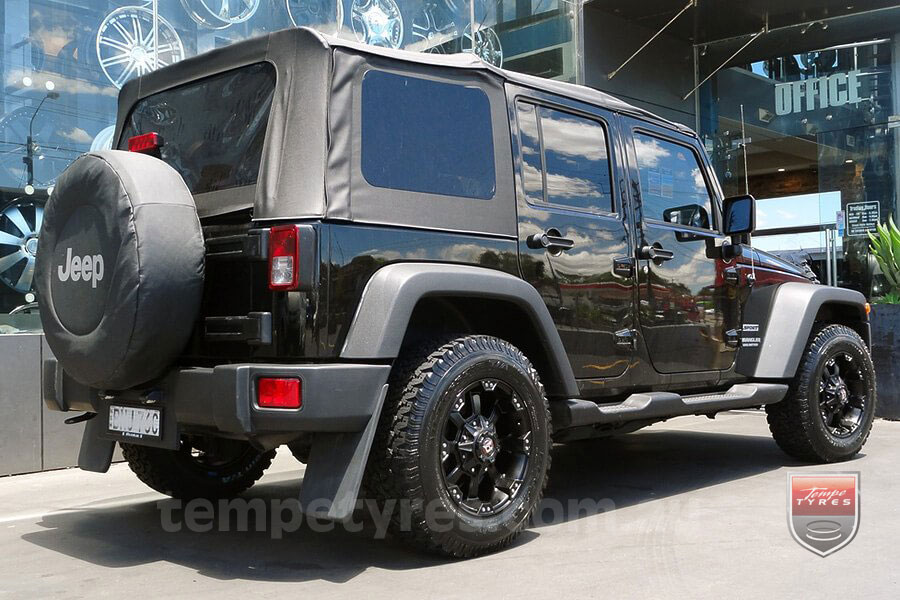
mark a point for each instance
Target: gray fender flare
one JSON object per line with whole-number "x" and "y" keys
{"x": 778, "y": 321}
{"x": 392, "y": 292}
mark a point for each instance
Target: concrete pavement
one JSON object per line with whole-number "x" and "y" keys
{"x": 694, "y": 508}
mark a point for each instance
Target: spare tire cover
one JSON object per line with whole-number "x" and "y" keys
{"x": 119, "y": 270}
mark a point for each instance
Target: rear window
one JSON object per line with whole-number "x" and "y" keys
{"x": 421, "y": 135}
{"x": 213, "y": 129}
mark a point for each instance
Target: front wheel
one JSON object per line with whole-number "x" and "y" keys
{"x": 463, "y": 446}
{"x": 828, "y": 413}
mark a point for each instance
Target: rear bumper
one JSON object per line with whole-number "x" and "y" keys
{"x": 337, "y": 398}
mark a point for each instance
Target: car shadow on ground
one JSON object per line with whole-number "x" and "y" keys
{"x": 615, "y": 473}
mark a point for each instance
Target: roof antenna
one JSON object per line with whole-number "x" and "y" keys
{"x": 752, "y": 278}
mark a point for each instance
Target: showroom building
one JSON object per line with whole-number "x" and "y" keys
{"x": 796, "y": 102}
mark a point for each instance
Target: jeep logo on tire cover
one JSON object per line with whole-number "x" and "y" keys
{"x": 81, "y": 268}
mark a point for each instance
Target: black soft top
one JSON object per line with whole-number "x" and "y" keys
{"x": 311, "y": 69}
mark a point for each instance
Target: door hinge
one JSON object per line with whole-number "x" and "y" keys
{"x": 627, "y": 337}
{"x": 623, "y": 267}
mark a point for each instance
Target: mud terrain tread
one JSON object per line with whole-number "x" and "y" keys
{"x": 791, "y": 420}
{"x": 155, "y": 467}
{"x": 393, "y": 471}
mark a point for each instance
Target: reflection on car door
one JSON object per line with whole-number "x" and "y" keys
{"x": 570, "y": 230}
{"x": 688, "y": 305}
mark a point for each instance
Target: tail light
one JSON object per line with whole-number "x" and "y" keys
{"x": 147, "y": 143}
{"x": 284, "y": 258}
{"x": 276, "y": 392}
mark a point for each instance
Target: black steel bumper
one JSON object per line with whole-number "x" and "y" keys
{"x": 337, "y": 398}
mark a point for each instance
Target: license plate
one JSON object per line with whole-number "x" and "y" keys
{"x": 134, "y": 422}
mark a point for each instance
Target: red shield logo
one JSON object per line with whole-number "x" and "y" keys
{"x": 823, "y": 510}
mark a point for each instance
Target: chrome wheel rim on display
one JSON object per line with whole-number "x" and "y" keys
{"x": 377, "y": 22}
{"x": 433, "y": 27}
{"x": 326, "y": 16}
{"x": 486, "y": 45}
{"x": 125, "y": 45}
{"x": 219, "y": 14}
{"x": 104, "y": 139}
{"x": 19, "y": 242}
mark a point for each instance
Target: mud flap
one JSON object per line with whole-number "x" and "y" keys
{"x": 335, "y": 471}
{"x": 96, "y": 453}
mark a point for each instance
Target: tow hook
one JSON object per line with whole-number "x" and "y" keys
{"x": 80, "y": 418}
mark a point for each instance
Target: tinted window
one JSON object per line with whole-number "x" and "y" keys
{"x": 530, "y": 143}
{"x": 672, "y": 184}
{"x": 426, "y": 136}
{"x": 565, "y": 156}
{"x": 213, "y": 128}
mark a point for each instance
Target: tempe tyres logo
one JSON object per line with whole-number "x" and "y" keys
{"x": 823, "y": 510}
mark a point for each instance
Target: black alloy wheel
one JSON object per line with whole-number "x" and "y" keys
{"x": 462, "y": 451}
{"x": 485, "y": 452}
{"x": 842, "y": 396}
{"x": 828, "y": 412}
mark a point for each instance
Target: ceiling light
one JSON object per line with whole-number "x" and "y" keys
{"x": 781, "y": 169}
{"x": 848, "y": 161}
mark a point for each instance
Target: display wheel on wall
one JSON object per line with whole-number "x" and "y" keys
{"x": 377, "y": 22}
{"x": 463, "y": 13}
{"x": 20, "y": 223}
{"x": 326, "y": 16}
{"x": 125, "y": 44}
{"x": 219, "y": 14}
{"x": 433, "y": 28}
{"x": 485, "y": 45}
{"x": 104, "y": 139}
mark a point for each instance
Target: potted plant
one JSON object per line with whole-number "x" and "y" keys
{"x": 885, "y": 320}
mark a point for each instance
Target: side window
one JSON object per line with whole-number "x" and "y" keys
{"x": 533, "y": 169}
{"x": 565, "y": 159}
{"x": 427, "y": 136}
{"x": 672, "y": 185}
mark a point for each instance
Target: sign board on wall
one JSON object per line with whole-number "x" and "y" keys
{"x": 862, "y": 217}
{"x": 819, "y": 92}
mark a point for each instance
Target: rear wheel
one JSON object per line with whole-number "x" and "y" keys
{"x": 203, "y": 467}
{"x": 828, "y": 413}
{"x": 463, "y": 446}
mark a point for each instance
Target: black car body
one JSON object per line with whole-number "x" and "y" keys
{"x": 434, "y": 195}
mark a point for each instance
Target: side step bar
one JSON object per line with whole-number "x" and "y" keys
{"x": 663, "y": 405}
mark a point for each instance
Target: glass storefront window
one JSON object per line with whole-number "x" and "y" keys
{"x": 63, "y": 61}
{"x": 819, "y": 144}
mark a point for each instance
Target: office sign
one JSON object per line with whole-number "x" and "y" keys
{"x": 838, "y": 89}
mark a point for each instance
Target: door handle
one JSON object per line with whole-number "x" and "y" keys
{"x": 656, "y": 253}
{"x": 551, "y": 240}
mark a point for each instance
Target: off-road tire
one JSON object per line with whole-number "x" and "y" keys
{"x": 796, "y": 422}
{"x": 405, "y": 467}
{"x": 179, "y": 475}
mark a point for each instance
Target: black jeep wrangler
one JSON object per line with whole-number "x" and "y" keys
{"x": 418, "y": 272}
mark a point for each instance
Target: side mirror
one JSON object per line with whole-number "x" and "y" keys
{"x": 739, "y": 215}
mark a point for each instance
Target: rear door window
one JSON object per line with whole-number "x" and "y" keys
{"x": 213, "y": 128}
{"x": 427, "y": 136}
{"x": 566, "y": 159}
